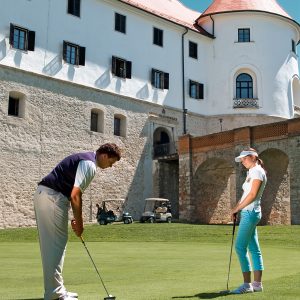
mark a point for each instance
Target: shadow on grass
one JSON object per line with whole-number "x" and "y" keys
{"x": 203, "y": 296}
{"x": 29, "y": 299}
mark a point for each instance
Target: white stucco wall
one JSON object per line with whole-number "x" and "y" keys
{"x": 268, "y": 56}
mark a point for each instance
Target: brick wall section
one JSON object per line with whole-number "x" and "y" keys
{"x": 278, "y": 144}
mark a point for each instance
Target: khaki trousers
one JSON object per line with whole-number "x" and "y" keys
{"x": 51, "y": 211}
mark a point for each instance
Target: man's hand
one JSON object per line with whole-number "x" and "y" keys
{"x": 77, "y": 229}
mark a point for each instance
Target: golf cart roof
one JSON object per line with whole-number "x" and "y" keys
{"x": 109, "y": 200}
{"x": 157, "y": 199}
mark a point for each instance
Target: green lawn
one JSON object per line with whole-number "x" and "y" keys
{"x": 151, "y": 262}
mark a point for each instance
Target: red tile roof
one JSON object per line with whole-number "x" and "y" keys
{"x": 171, "y": 10}
{"x": 221, "y": 6}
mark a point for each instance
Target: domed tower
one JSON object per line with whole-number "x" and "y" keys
{"x": 254, "y": 61}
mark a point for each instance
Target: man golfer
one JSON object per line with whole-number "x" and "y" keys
{"x": 63, "y": 187}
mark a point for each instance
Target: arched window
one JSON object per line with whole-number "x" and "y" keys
{"x": 244, "y": 86}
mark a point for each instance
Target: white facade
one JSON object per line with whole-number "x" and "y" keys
{"x": 267, "y": 57}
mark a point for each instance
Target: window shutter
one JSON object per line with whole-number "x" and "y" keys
{"x": 152, "y": 76}
{"x": 82, "y": 56}
{"x": 201, "y": 91}
{"x": 166, "y": 81}
{"x": 70, "y": 6}
{"x": 113, "y": 65}
{"x": 190, "y": 88}
{"x": 128, "y": 69}
{"x": 31, "y": 40}
{"x": 11, "y": 34}
{"x": 65, "y": 51}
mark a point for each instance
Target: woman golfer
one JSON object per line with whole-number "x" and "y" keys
{"x": 250, "y": 214}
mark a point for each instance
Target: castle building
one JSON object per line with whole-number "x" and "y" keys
{"x": 141, "y": 73}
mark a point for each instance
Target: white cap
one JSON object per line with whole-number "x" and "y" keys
{"x": 244, "y": 154}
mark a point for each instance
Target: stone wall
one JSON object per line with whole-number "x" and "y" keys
{"x": 210, "y": 180}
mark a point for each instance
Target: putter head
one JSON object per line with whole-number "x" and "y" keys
{"x": 225, "y": 292}
{"x": 110, "y": 297}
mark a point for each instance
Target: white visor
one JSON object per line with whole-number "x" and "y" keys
{"x": 244, "y": 154}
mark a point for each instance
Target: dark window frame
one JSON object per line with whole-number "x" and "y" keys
{"x": 244, "y": 86}
{"x": 74, "y": 7}
{"x": 79, "y": 55}
{"x": 244, "y": 35}
{"x": 120, "y": 23}
{"x": 193, "y": 50}
{"x": 199, "y": 93}
{"x": 13, "y": 106}
{"x": 121, "y": 67}
{"x": 28, "y": 40}
{"x": 117, "y": 126}
{"x": 94, "y": 121}
{"x": 163, "y": 82}
{"x": 158, "y": 37}
{"x": 294, "y": 47}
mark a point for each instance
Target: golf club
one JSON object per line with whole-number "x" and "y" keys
{"x": 109, "y": 296}
{"x": 227, "y": 291}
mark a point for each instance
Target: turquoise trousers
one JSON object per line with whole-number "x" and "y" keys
{"x": 247, "y": 241}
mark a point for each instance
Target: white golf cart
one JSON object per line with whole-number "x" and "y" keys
{"x": 112, "y": 210}
{"x": 156, "y": 210}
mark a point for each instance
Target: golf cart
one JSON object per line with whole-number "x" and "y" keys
{"x": 157, "y": 210}
{"x": 112, "y": 210}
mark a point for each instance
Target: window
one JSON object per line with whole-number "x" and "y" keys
{"x": 158, "y": 37}
{"x": 193, "y": 50}
{"x": 74, "y": 7}
{"x": 13, "y": 106}
{"x": 244, "y": 86}
{"x": 121, "y": 67}
{"x": 244, "y": 35}
{"x": 73, "y": 54}
{"x": 159, "y": 79}
{"x": 294, "y": 46}
{"x": 120, "y": 23}
{"x": 196, "y": 90}
{"x": 97, "y": 120}
{"x": 94, "y": 121}
{"x": 117, "y": 126}
{"x": 21, "y": 38}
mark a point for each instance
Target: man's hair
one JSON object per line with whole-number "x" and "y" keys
{"x": 111, "y": 149}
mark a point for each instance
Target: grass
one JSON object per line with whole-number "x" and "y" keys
{"x": 151, "y": 262}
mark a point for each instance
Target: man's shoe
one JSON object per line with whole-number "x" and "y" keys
{"x": 243, "y": 289}
{"x": 68, "y": 296}
{"x": 72, "y": 294}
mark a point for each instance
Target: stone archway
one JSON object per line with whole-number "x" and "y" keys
{"x": 276, "y": 198}
{"x": 213, "y": 192}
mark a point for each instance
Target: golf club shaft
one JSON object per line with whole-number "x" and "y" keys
{"x": 233, "y": 230}
{"x": 87, "y": 250}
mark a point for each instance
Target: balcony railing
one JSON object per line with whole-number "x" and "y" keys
{"x": 245, "y": 103}
{"x": 164, "y": 150}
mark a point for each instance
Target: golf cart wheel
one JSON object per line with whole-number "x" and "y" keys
{"x": 169, "y": 220}
{"x": 126, "y": 221}
{"x": 151, "y": 220}
{"x": 102, "y": 222}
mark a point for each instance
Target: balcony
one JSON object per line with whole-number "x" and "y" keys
{"x": 245, "y": 103}
{"x": 163, "y": 150}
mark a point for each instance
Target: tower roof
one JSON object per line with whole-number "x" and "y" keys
{"x": 226, "y": 6}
